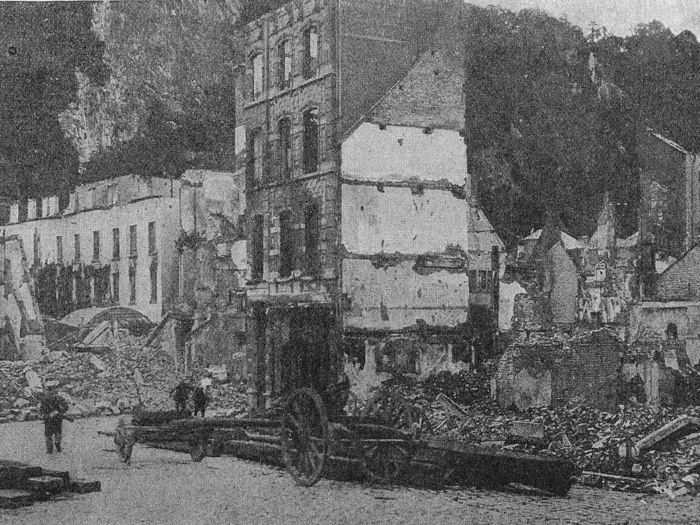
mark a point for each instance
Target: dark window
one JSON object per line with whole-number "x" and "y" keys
{"x": 310, "y": 140}
{"x": 76, "y": 247}
{"x": 284, "y": 71}
{"x": 154, "y": 283}
{"x": 95, "y": 246}
{"x": 257, "y": 248}
{"x": 152, "y": 238}
{"x": 37, "y": 260}
{"x": 286, "y": 244}
{"x": 285, "y": 132}
{"x": 483, "y": 280}
{"x": 472, "y": 280}
{"x": 115, "y": 243}
{"x": 132, "y": 240}
{"x": 132, "y": 285}
{"x": 311, "y": 42}
{"x": 255, "y": 156}
{"x": 312, "y": 237}
{"x": 59, "y": 249}
{"x": 256, "y": 68}
{"x": 115, "y": 287}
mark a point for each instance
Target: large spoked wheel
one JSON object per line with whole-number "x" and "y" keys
{"x": 395, "y": 411}
{"x": 198, "y": 447}
{"x": 384, "y": 463}
{"x": 304, "y": 436}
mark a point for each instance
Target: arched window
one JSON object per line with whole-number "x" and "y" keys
{"x": 671, "y": 331}
{"x": 311, "y": 140}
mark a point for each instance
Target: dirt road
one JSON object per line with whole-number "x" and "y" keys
{"x": 163, "y": 487}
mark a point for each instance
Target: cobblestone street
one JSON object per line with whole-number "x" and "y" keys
{"x": 163, "y": 487}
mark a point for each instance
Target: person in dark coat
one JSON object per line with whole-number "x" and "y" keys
{"x": 181, "y": 394}
{"x": 201, "y": 394}
{"x": 53, "y": 410}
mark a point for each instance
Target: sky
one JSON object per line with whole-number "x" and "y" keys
{"x": 618, "y": 16}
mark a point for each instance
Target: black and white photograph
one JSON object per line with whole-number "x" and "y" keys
{"x": 347, "y": 262}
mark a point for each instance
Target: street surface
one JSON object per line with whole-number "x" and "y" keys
{"x": 162, "y": 487}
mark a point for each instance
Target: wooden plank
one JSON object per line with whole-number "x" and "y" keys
{"x": 680, "y": 427}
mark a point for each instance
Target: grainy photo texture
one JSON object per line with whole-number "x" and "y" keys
{"x": 349, "y": 262}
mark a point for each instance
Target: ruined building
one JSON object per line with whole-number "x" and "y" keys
{"x": 356, "y": 193}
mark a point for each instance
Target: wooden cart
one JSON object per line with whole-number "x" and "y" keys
{"x": 383, "y": 445}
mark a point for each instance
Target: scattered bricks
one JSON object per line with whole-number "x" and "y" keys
{"x": 14, "y": 475}
{"x": 679, "y": 427}
{"x": 81, "y": 486}
{"x": 12, "y": 499}
{"x": 63, "y": 475}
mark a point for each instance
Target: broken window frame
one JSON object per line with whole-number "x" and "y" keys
{"x": 153, "y": 272}
{"x": 116, "y": 248}
{"x": 312, "y": 239}
{"x": 76, "y": 247}
{"x": 312, "y": 48}
{"x": 284, "y": 64}
{"x": 483, "y": 280}
{"x": 59, "y": 249}
{"x": 255, "y": 165}
{"x": 257, "y": 243}
{"x": 257, "y": 75}
{"x": 152, "y": 248}
{"x": 286, "y": 232}
{"x": 133, "y": 246}
{"x": 132, "y": 285}
{"x": 284, "y": 128}
{"x": 96, "y": 245}
{"x": 115, "y": 287}
{"x": 311, "y": 140}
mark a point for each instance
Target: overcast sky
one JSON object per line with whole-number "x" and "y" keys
{"x": 618, "y": 16}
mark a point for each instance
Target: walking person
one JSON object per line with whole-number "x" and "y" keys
{"x": 181, "y": 394}
{"x": 53, "y": 411}
{"x": 201, "y": 394}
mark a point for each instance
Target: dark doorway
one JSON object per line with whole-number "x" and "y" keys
{"x": 305, "y": 360}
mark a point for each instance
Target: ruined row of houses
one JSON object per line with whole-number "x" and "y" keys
{"x": 346, "y": 234}
{"x": 603, "y": 318}
{"x": 348, "y": 238}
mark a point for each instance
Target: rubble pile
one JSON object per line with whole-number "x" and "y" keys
{"x": 112, "y": 382}
{"x": 604, "y": 443}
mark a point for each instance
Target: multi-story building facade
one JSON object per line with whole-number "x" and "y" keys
{"x": 356, "y": 189}
{"x": 114, "y": 244}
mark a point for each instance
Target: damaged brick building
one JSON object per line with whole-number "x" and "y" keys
{"x": 356, "y": 191}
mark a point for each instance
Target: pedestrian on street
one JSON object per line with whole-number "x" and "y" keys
{"x": 53, "y": 411}
{"x": 201, "y": 394}
{"x": 181, "y": 394}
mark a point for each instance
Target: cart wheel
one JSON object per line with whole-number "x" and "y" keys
{"x": 304, "y": 436}
{"x": 198, "y": 448}
{"x": 396, "y": 411}
{"x": 384, "y": 463}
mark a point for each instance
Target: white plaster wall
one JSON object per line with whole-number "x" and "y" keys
{"x": 396, "y": 220}
{"x": 403, "y": 153}
{"x": 440, "y": 298}
{"x": 162, "y": 210}
{"x": 507, "y": 292}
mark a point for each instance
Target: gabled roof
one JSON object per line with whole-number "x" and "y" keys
{"x": 482, "y": 234}
{"x": 570, "y": 243}
{"x": 428, "y": 96}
